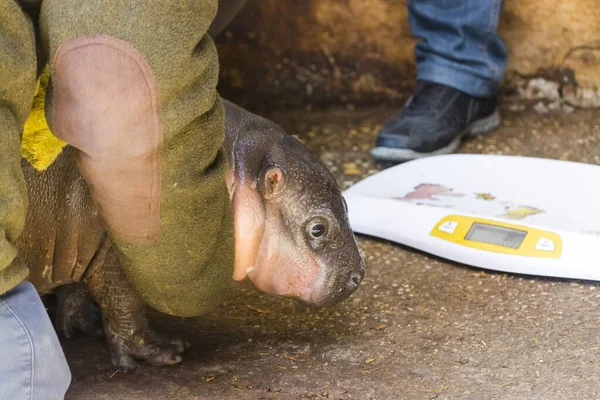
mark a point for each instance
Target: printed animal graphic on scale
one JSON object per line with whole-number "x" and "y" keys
{"x": 439, "y": 195}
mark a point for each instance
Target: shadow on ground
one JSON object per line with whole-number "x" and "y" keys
{"x": 417, "y": 328}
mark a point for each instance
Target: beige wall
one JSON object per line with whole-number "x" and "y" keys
{"x": 295, "y": 52}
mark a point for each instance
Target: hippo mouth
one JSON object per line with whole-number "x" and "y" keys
{"x": 312, "y": 283}
{"x": 282, "y": 287}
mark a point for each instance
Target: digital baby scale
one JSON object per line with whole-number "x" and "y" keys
{"x": 507, "y": 213}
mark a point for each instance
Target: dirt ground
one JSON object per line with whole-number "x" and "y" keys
{"x": 418, "y": 327}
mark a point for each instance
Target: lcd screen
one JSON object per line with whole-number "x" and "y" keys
{"x": 497, "y": 235}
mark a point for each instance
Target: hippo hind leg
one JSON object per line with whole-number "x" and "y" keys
{"x": 76, "y": 310}
{"x": 128, "y": 334}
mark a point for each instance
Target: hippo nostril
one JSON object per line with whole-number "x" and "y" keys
{"x": 354, "y": 281}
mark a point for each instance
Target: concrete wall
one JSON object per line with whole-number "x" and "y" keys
{"x": 295, "y": 52}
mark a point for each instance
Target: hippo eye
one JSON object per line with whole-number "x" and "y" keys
{"x": 317, "y": 230}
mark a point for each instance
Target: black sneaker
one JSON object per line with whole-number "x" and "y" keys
{"x": 434, "y": 121}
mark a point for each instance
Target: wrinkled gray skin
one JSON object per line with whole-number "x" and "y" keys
{"x": 293, "y": 239}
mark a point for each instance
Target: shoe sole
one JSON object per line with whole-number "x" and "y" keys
{"x": 477, "y": 128}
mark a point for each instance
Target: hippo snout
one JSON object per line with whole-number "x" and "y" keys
{"x": 341, "y": 283}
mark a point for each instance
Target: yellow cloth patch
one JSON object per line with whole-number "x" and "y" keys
{"x": 39, "y": 146}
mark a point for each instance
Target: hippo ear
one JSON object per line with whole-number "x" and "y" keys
{"x": 274, "y": 182}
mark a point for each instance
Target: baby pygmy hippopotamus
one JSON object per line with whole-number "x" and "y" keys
{"x": 292, "y": 239}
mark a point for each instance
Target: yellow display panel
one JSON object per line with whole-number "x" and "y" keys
{"x": 498, "y": 237}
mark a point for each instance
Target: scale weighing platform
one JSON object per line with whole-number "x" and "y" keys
{"x": 507, "y": 213}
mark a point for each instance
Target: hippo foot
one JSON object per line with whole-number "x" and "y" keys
{"x": 75, "y": 310}
{"x": 148, "y": 346}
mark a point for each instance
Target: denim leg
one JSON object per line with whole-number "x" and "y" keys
{"x": 460, "y": 45}
{"x": 32, "y": 363}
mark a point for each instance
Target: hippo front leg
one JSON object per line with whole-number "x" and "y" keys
{"x": 126, "y": 328}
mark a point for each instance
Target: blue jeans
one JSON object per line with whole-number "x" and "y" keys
{"x": 460, "y": 46}
{"x": 32, "y": 363}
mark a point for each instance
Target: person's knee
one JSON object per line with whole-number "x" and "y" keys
{"x": 35, "y": 363}
{"x": 120, "y": 96}
{"x": 105, "y": 103}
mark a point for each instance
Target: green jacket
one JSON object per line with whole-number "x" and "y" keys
{"x": 185, "y": 271}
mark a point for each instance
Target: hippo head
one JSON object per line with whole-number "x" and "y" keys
{"x": 293, "y": 238}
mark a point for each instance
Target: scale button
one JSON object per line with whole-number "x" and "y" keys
{"x": 545, "y": 245}
{"x": 448, "y": 226}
